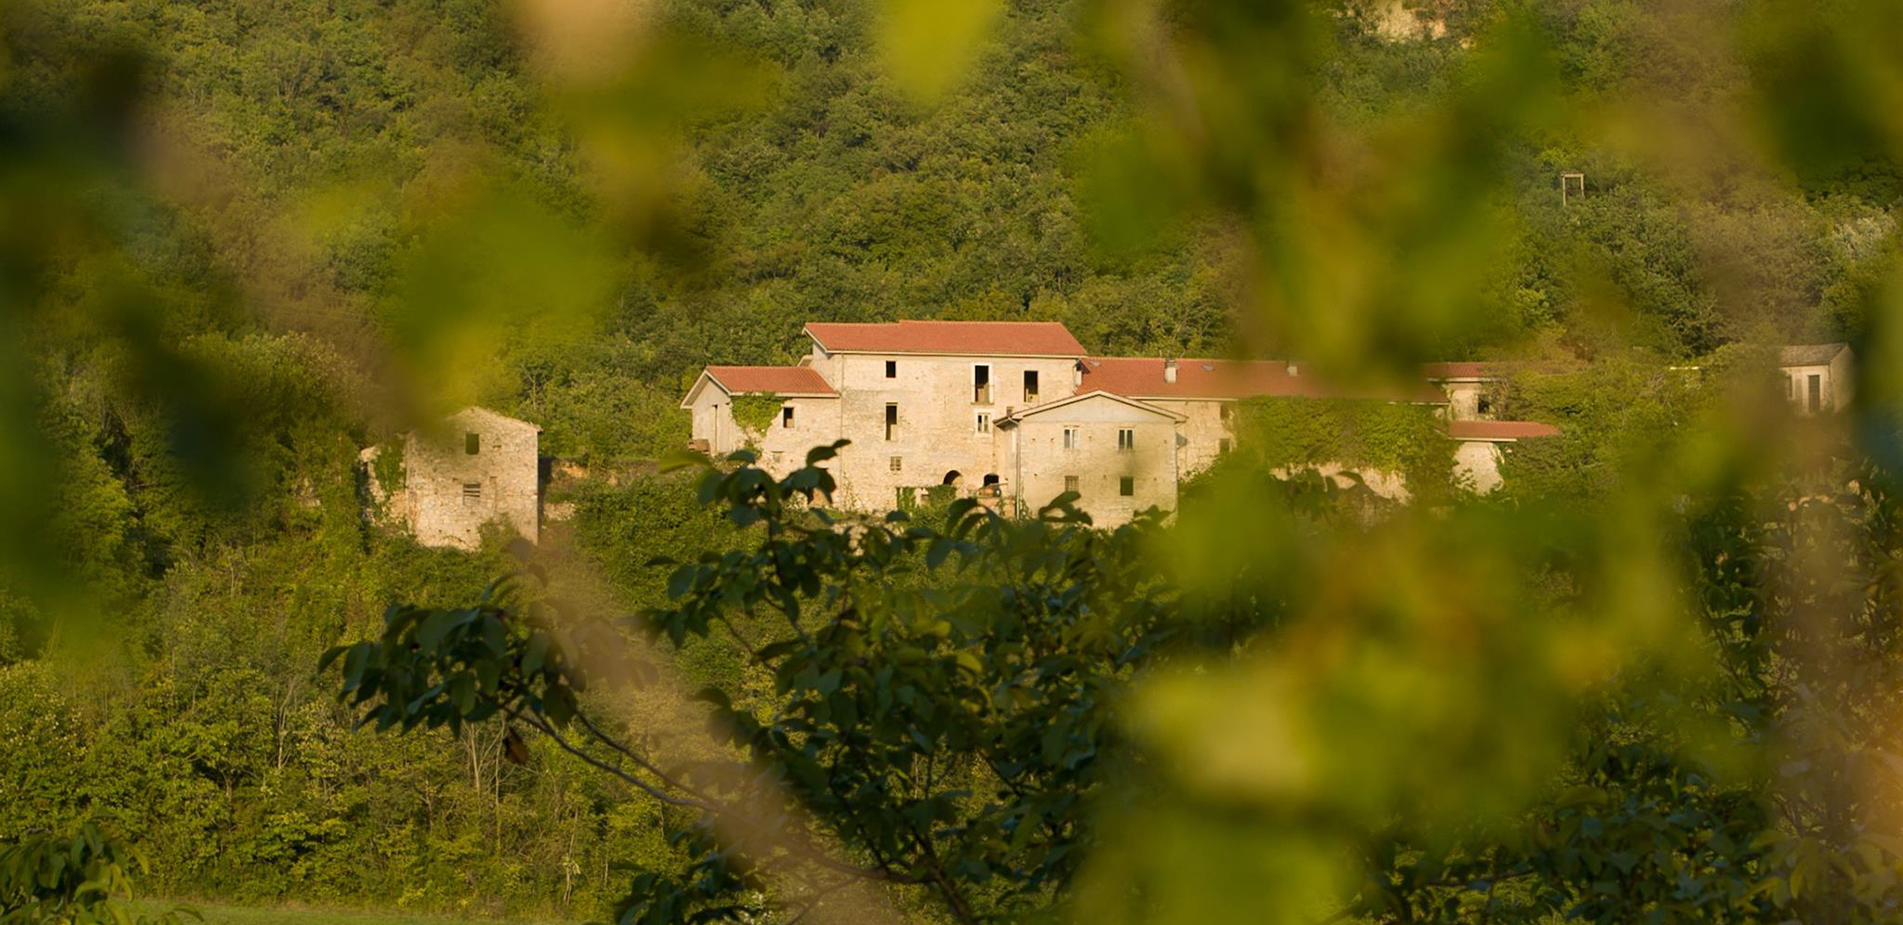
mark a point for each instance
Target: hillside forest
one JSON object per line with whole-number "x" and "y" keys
{"x": 1654, "y": 678}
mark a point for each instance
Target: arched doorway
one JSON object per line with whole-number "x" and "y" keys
{"x": 952, "y": 477}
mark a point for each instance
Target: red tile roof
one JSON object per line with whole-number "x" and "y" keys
{"x": 1462, "y": 370}
{"x": 779, "y": 380}
{"x": 1499, "y": 430}
{"x": 1142, "y": 377}
{"x": 975, "y": 338}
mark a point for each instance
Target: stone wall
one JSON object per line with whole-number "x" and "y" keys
{"x": 1477, "y": 463}
{"x": 478, "y": 467}
{"x": 1042, "y": 463}
{"x": 938, "y": 435}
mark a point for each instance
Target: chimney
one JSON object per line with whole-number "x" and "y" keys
{"x": 1077, "y": 374}
{"x": 1169, "y": 369}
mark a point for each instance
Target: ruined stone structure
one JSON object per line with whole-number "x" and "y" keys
{"x": 1014, "y": 413}
{"x": 478, "y": 467}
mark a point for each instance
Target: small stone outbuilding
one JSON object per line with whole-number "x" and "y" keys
{"x": 1819, "y": 376}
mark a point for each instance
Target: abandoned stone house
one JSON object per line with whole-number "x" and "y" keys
{"x": 1016, "y": 413}
{"x": 476, "y": 468}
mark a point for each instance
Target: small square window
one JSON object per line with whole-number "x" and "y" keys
{"x": 786, "y": 416}
{"x": 1070, "y": 438}
{"x": 984, "y": 423}
{"x": 1126, "y": 486}
{"x": 1070, "y": 483}
{"x": 1126, "y": 439}
{"x": 892, "y": 369}
{"x": 472, "y": 444}
{"x": 897, "y": 463}
{"x": 472, "y": 491}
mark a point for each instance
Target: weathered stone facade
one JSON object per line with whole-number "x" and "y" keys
{"x": 477, "y": 467}
{"x": 1015, "y": 412}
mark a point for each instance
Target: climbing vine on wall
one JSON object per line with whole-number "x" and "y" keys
{"x": 755, "y": 413}
{"x": 1355, "y": 434}
{"x": 388, "y": 465}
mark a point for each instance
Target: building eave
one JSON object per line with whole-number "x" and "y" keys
{"x": 1138, "y": 404}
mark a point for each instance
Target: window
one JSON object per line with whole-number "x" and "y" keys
{"x": 984, "y": 422}
{"x": 981, "y": 385}
{"x": 1222, "y": 446}
{"x": 1816, "y": 392}
{"x": 897, "y": 463}
{"x": 891, "y": 421}
{"x": 1126, "y": 486}
{"x": 472, "y": 491}
{"x": 892, "y": 369}
{"x": 786, "y": 416}
{"x": 472, "y": 444}
{"x": 1126, "y": 439}
{"x": 1483, "y": 405}
{"x": 1030, "y": 386}
{"x": 1070, "y": 438}
{"x": 1070, "y": 484}
{"x": 1222, "y": 411}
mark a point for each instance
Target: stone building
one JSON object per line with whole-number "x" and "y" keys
{"x": 1014, "y": 413}
{"x": 477, "y": 467}
{"x": 1482, "y": 444}
{"x": 1483, "y": 441}
{"x": 1819, "y": 376}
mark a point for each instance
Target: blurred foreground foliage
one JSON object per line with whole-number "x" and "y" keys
{"x": 1654, "y": 679}
{"x": 81, "y": 879}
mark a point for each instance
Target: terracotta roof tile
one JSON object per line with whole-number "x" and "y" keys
{"x": 1809, "y": 354}
{"x": 976, "y": 338}
{"x": 1480, "y": 370}
{"x": 779, "y": 380}
{"x": 1499, "y": 430}
{"x": 1142, "y": 377}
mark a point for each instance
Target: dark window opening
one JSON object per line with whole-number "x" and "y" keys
{"x": 1126, "y": 439}
{"x": 991, "y": 478}
{"x": 897, "y": 463}
{"x": 472, "y": 491}
{"x": 1816, "y": 392}
{"x": 1030, "y": 385}
{"x": 981, "y": 385}
{"x": 892, "y": 369}
{"x": 1070, "y": 484}
{"x": 1483, "y": 405}
{"x": 1126, "y": 486}
{"x": 951, "y": 478}
{"x": 786, "y": 416}
{"x": 1223, "y": 412}
{"x": 472, "y": 443}
{"x": 891, "y": 421}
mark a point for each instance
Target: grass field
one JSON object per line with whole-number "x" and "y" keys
{"x": 301, "y": 915}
